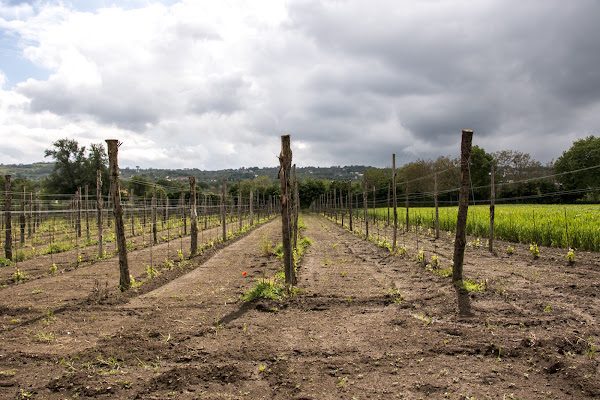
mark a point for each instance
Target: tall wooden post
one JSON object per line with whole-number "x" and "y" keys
{"x": 349, "y": 202}
{"x": 154, "y": 228}
{"x": 87, "y": 214}
{"x": 22, "y": 216}
{"x": 296, "y": 211}
{"x": 78, "y": 201}
{"x": 395, "y": 200}
{"x": 406, "y": 197}
{"x": 492, "y": 209}
{"x": 183, "y": 213}
{"x": 239, "y": 204}
{"x": 463, "y": 207}
{"x": 374, "y": 208}
{"x": 285, "y": 161}
{"x": 435, "y": 201}
{"x": 132, "y": 204}
{"x": 223, "y": 214}
{"x": 342, "y": 206}
{"x": 113, "y": 148}
{"x": 388, "y": 205}
{"x": 30, "y": 215}
{"x": 99, "y": 209}
{"x": 251, "y": 208}
{"x": 365, "y": 198}
{"x": 7, "y": 219}
{"x": 193, "y": 217}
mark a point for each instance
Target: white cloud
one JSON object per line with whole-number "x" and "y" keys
{"x": 213, "y": 84}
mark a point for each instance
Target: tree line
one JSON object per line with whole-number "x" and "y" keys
{"x": 518, "y": 177}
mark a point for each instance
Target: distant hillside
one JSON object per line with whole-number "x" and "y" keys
{"x": 38, "y": 171}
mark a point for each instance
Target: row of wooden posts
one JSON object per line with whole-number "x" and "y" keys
{"x": 345, "y": 202}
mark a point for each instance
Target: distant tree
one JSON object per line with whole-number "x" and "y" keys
{"x": 481, "y": 167}
{"x": 584, "y": 153}
{"x": 73, "y": 170}
{"x": 512, "y": 165}
{"x": 69, "y": 165}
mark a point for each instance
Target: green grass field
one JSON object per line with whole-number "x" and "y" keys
{"x": 574, "y": 226}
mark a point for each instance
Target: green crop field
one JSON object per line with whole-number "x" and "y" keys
{"x": 575, "y": 226}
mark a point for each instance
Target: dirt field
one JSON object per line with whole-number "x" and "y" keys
{"x": 363, "y": 325}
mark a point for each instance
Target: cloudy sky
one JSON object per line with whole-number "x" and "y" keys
{"x": 214, "y": 84}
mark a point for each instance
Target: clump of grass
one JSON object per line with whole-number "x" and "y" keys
{"x": 5, "y": 262}
{"x": 278, "y": 251}
{"x": 265, "y": 289}
{"x": 472, "y": 286}
{"x": 151, "y": 271}
{"x": 510, "y": 250}
{"x": 53, "y": 269}
{"x": 266, "y": 246}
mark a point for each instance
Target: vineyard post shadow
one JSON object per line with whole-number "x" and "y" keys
{"x": 113, "y": 148}
{"x": 461, "y": 223}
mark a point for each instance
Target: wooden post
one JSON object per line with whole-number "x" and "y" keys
{"x": 193, "y": 217}
{"x": 395, "y": 201}
{"x": 154, "y": 228}
{"x": 7, "y": 219}
{"x": 406, "y": 196}
{"x": 223, "y": 215}
{"x": 388, "y": 205}
{"x": 296, "y": 211}
{"x": 463, "y": 207}
{"x": 99, "y": 208}
{"x": 183, "y": 213}
{"x": 251, "y": 208}
{"x": 492, "y": 209}
{"x": 374, "y": 209}
{"x": 350, "y": 205}
{"x": 22, "y": 216}
{"x": 435, "y": 201}
{"x": 365, "y": 198}
{"x": 342, "y": 206}
{"x": 78, "y": 210}
{"x": 239, "y": 205}
{"x": 113, "y": 148}
{"x": 132, "y": 217}
{"x": 285, "y": 161}
{"x": 30, "y": 215}
{"x": 87, "y": 214}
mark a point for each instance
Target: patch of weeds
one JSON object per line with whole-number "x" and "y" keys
{"x": 548, "y": 308}
{"x": 272, "y": 289}
{"x": 423, "y": 318}
{"x": 396, "y": 294}
{"x": 535, "y": 252}
{"x": 279, "y": 251}
{"x": 37, "y": 291}
{"x": 26, "y": 395}
{"x": 5, "y": 262}
{"x": 151, "y": 271}
{"x": 472, "y": 286}
{"x": 590, "y": 351}
{"x": 135, "y": 283}
{"x": 435, "y": 261}
{"x": 168, "y": 264}
{"x": 266, "y": 246}
{"x": 571, "y": 257}
{"x": 179, "y": 255}
{"x": 444, "y": 273}
{"x": 402, "y": 251}
{"x": 48, "y": 318}
{"x": 510, "y": 250}
{"x": 20, "y": 256}
{"x": 44, "y": 337}
{"x": 420, "y": 258}
{"x": 18, "y": 276}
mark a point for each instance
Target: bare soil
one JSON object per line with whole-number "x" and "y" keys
{"x": 363, "y": 324}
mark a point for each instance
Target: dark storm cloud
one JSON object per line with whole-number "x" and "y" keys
{"x": 467, "y": 66}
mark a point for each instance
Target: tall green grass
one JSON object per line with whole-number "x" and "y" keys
{"x": 575, "y": 226}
